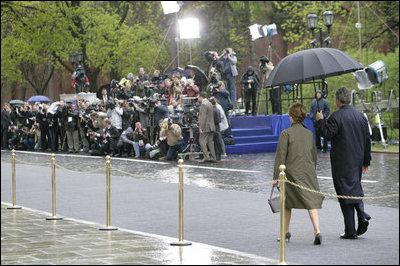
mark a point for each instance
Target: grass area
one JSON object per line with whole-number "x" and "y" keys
{"x": 389, "y": 148}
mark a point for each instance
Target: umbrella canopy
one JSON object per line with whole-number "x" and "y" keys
{"x": 39, "y": 98}
{"x": 317, "y": 63}
{"x": 17, "y": 102}
{"x": 200, "y": 77}
{"x": 178, "y": 69}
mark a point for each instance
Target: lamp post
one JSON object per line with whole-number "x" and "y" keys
{"x": 312, "y": 21}
{"x": 76, "y": 58}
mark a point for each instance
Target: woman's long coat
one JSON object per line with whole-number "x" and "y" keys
{"x": 297, "y": 151}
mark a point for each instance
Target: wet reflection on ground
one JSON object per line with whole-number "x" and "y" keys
{"x": 250, "y": 172}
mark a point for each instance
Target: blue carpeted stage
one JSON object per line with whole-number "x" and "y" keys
{"x": 256, "y": 134}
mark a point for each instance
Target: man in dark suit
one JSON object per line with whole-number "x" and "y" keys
{"x": 5, "y": 123}
{"x": 206, "y": 128}
{"x": 348, "y": 131}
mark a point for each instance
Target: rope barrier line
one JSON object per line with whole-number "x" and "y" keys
{"x": 216, "y": 183}
{"x": 93, "y": 171}
{"x": 340, "y": 196}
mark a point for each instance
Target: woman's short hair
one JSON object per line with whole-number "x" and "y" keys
{"x": 343, "y": 95}
{"x": 298, "y": 112}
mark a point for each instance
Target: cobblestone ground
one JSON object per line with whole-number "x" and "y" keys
{"x": 27, "y": 238}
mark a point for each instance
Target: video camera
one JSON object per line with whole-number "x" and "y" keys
{"x": 264, "y": 61}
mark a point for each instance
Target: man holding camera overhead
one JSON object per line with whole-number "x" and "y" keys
{"x": 230, "y": 72}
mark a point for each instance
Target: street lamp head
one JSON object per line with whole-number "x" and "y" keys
{"x": 327, "y": 17}
{"x": 312, "y": 20}
{"x": 79, "y": 57}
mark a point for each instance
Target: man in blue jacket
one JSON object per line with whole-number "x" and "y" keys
{"x": 348, "y": 131}
{"x": 319, "y": 104}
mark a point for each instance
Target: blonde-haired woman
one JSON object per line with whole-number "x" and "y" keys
{"x": 297, "y": 151}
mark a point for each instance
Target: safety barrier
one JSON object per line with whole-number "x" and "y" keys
{"x": 282, "y": 179}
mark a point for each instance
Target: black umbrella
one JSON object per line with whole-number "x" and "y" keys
{"x": 200, "y": 78}
{"x": 311, "y": 64}
{"x": 178, "y": 69}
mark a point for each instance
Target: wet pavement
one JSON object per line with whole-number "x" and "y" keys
{"x": 225, "y": 203}
{"x": 27, "y": 238}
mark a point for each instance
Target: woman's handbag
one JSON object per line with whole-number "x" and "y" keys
{"x": 275, "y": 203}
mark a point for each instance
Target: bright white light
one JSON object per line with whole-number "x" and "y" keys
{"x": 170, "y": 7}
{"x": 189, "y": 28}
{"x": 255, "y": 32}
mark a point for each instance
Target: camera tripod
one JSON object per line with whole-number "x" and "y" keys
{"x": 191, "y": 147}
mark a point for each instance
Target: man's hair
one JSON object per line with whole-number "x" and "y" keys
{"x": 203, "y": 95}
{"x": 107, "y": 121}
{"x": 298, "y": 112}
{"x": 343, "y": 95}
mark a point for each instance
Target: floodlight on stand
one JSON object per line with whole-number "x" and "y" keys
{"x": 189, "y": 28}
{"x": 170, "y": 7}
{"x": 312, "y": 20}
{"x": 256, "y": 32}
{"x": 270, "y": 30}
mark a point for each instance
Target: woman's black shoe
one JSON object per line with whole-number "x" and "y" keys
{"x": 287, "y": 237}
{"x": 318, "y": 239}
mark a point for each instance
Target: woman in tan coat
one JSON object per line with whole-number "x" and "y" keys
{"x": 297, "y": 151}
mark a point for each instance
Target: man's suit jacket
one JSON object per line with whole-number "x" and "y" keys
{"x": 206, "y": 117}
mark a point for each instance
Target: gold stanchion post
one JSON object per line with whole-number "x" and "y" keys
{"x": 108, "y": 227}
{"x": 282, "y": 179}
{"x": 53, "y": 188}
{"x": 14, "y": 206}
{"x": 181, "y": 241}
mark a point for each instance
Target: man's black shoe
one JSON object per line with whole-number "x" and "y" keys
{"x": 362, "y": 227}
{"x": 346, "y": 236}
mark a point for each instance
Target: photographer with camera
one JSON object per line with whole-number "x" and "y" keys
{"x": 172, "y": 133}
{"x": 206, "y": 128}
{"x": 251, "y": 83}
{"x": 266, "y": 68}
{"x": 44, "y": 126}
{"x": 140, "y": 140}
{"x": 114, "y": 113}
{"x": 191, "y": 89}
{"x": 214, "y": 64}
{"x": 142, "y": 75}
{"x": 72, "y": 121}
{"x": 222, "y": 95}
{"x": 110, "y": 137}
{"x": 230, "y": 72}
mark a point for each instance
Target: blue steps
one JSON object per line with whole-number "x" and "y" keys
{"x": 252, "y": 134}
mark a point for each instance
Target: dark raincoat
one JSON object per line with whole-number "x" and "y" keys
{"x": 348, "y": 131}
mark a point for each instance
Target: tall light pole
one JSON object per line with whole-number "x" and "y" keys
{"x": 173, "y": 7}
{"x": 189, "y": 29}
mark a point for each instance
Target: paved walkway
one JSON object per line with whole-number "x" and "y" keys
{"x": 234, "y": 220}
{"x": 27, "y": 238}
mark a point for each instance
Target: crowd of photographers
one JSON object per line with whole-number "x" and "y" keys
{"x": 141, "y": 116}
{"x": 136, "y": 116}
